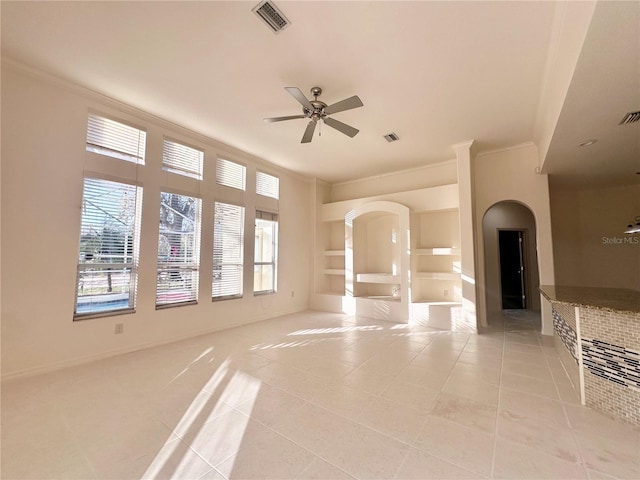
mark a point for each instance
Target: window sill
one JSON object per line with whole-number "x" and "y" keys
{"x": 107, "y": 313}
{"x": 177, "y": 304}
{"x": 265, "y": 292}
{"x": 227, "y": 297}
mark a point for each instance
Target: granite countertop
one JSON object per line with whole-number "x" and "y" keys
{"x": 622, "y": 300}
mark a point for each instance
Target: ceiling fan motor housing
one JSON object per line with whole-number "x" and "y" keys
{"x": 315, "y": 111}
{"x": 318, "y": 110}
{"x": 318, "y": 107}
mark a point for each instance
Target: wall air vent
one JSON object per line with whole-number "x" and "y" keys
{"x": 631, "y": 117}
{"x": 391, "y": 137}
{"x": 271, "y": 15}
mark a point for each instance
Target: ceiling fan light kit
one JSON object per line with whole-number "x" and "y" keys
{"x": 318, "y": 111}
{"x": 633, "y": 227}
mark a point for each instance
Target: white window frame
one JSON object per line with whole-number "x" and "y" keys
{"x": 219, "y": 265}
{"x": 87, "y": 261}
{"x": 173, "y": 266}
{"x": 273, "y": 262}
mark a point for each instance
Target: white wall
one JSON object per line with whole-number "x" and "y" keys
{"x": 590, "y": 248}
{"x": 510, "y": 175}
{"x": 416, "y": 178}
{"x": 43, "y": 165}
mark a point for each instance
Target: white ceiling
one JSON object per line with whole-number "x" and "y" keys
{"x": 435, "y": 73}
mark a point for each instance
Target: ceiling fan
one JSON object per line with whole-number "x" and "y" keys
{"x": 316, "y": 111}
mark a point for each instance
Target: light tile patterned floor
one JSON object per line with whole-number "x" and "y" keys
{"x": 317, "y": 396}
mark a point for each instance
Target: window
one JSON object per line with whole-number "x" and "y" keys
{"x": 108, "y": 253}
{"x": 181, "y": 159}
{"x": 230, "y": 174}
{"x": 267, "y": 185}
{"x": 266, "y": 248}
{"x": 115, "y": 139}
{"x": 228, "y": 247}
{"x": 178, "y": 250}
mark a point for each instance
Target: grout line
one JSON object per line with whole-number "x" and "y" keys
{"x": 495, "y": 434}
{"x": 581, "y": 459}
{"x": 404, "y": 460}
{"x": 318, "y": 457}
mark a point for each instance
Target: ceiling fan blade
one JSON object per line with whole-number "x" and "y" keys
{"x": 341, "y": 127}
{"x": 280, "y": 119}
{"x": 298, "y": 95}
{"x": 346, "y": 104}
{"x": 308, "y": 133}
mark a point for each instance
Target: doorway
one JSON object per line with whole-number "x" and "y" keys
{"x": 512, "y": 269}
{"x": 515, "y": 220}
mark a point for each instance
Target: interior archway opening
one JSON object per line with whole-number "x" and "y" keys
{"x": 511, "y": 267}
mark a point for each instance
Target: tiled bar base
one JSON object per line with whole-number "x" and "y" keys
{"x": 611, "y": 356}
{"x": 566, "y": 340}
{"x": 600, "y": 346}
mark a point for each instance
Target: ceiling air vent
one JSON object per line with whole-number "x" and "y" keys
{"x": 270, "y": 15}
{"x": 631, "y": 117}
{"x": 391, "y": 137}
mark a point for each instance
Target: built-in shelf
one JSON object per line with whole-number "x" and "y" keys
{"x": 439, "y": 275}
{"x": 436, "y": 302}
{"x": 334, "y": 253}
{"x": 386, "y": 298}
{"x": 387, "y": 278}
{"x": 437, "y": 251}
{"x": 333, "y": 271}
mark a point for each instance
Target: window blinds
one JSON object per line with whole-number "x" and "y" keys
{"x": 228, "y": 248}
{"x": 267, "y": 185}
{"x": 273, "y": 217}
{"x": 115, "y": 139}
{"x": 230, "y": 174}
{"x": 181, "y": 159}
{"x": 178, "y": 250}
{"x": 107, "y": 257}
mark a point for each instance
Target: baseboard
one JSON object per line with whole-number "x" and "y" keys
{"x": 30, "y": 372}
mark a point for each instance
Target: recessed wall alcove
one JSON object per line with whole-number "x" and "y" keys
{"x": 377, "y": 261}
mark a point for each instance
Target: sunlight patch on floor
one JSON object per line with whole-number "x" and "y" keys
{"x": 322, "y": 331}
{"x": 177, "y": 460}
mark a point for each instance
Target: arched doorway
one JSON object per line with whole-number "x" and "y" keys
{"x": 511, "y": 261}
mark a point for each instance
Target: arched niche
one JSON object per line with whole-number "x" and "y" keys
{"x": 377, "y": 260}
{"x": 509, "y": 215}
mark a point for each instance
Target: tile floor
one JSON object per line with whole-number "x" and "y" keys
{"x": 317, "y": 396}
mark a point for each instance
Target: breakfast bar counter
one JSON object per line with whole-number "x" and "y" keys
{"x": 597, "y": 334}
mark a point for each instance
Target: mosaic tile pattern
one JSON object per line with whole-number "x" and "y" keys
{"x": 567, "y": 312}
{"x": 565, "y": 333}
{"x": 612, "y": 398}
{"x": 617, "y": 328}
{"x": 612, "y": 362}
